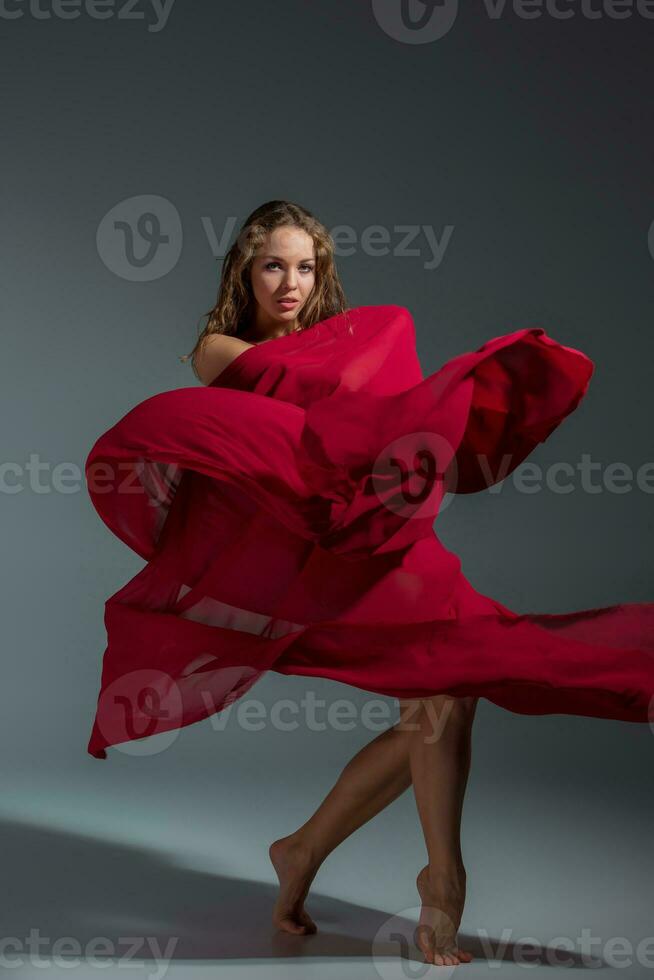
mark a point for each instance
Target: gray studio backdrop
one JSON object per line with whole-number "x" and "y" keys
{"x": 491, "y": 173}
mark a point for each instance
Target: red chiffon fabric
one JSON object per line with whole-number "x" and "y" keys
{"x": 286, "y": 515}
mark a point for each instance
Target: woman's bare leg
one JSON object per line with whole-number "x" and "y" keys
{"x": 379, "y": 773}
{"x": 439, "y": 752}
{"x": 373, "y": 778}
{"x": 429, "y": 747}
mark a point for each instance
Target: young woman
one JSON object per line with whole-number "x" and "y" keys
{"x": 286, "y": 513}
{"x": 282, "y": 295}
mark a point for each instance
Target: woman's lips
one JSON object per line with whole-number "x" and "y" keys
{"x": 288, "y": 303}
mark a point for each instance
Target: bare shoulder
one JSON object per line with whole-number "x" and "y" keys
{"x": 218, "y": 351}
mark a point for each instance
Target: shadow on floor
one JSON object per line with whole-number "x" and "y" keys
{"x": 62, "y": 884}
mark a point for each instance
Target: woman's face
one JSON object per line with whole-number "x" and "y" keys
{"x": 284, "y": 267}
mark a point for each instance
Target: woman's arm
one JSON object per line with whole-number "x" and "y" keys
{"x": 218, "y": 351}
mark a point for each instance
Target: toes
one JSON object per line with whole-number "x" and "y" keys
{"x": 309, "y": 923}
{"x": 446, "y": 959}
{"x": 297, "y": 924}
{"x": 290, "y": 925}
{"x": 427, "y": 953}
{"x": 453, "y": 957}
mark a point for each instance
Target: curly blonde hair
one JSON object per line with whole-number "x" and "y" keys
{"x": 235, "y": 305}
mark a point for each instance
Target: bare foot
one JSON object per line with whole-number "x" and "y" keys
{"x": 295, "y": 869}
{"x": 442, "y": 894}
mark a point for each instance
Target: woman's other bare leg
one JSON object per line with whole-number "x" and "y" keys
{"x": 440, "y": 753}
{"x": 373, "y": 778}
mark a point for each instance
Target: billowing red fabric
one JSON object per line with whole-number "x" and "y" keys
{"x": 286, "y": 514}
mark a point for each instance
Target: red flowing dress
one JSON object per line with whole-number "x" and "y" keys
{"x": 286, "y": 516}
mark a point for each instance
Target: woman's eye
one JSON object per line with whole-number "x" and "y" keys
{"x": 306, "y": 268}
